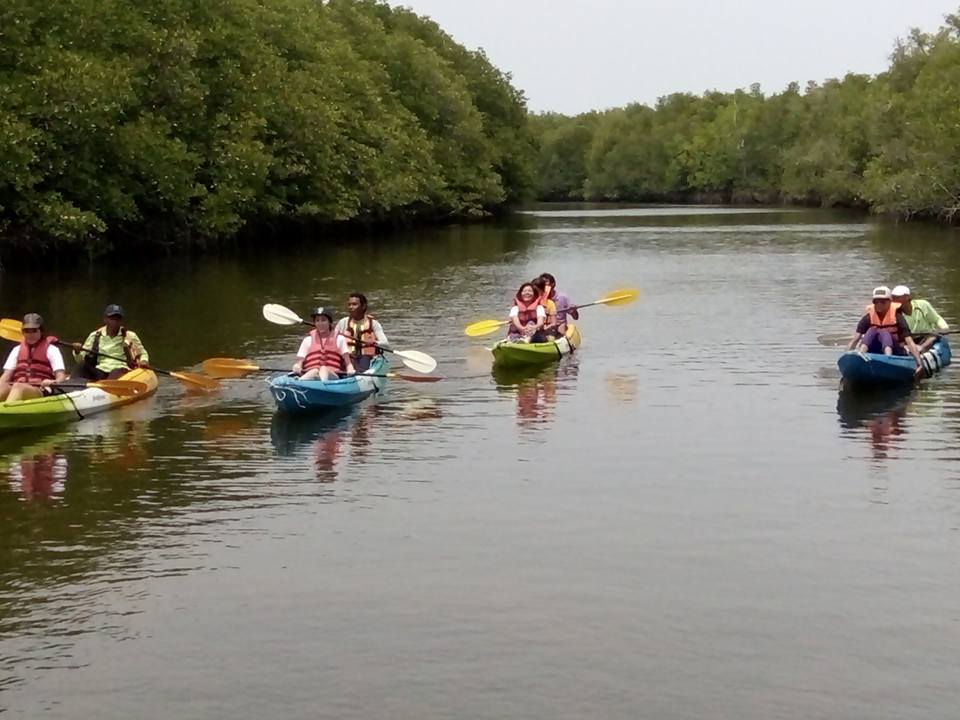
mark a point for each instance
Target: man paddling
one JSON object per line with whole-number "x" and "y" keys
{"x": 921, "y": 318}
{"x": 112, "y": 338}
{"x": 362, "y": 332}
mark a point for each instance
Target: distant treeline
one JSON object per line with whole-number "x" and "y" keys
{"x": 891, "y": 143}
{"x": 183, "y": 121}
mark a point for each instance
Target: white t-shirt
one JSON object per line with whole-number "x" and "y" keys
{"x": 541, "y": 313}
{"x": 53, "y": 355}
{"x": 342, "y": 346}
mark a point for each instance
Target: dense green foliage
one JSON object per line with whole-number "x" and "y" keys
{"x": 186, "y": 120}
{"x": 891, "y": 142}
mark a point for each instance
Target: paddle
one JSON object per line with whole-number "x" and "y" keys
{"x": 234, "y": 368}
{"x": 12, "y": 330}
{"x": 123, "y": 388}
{"x": 615, "y": 298}
{"x": 413, "y": 359}
{"x": 836, "y": 339}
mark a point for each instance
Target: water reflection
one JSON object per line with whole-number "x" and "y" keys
{"x": 39, "y": 471}
{"x": 879, "y": 413}
{"x": 535, "y": 389}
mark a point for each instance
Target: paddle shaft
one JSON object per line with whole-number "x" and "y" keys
{"x": 113, "y": 357}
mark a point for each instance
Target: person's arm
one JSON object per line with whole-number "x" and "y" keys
{"x": 861, "y": 329}
{"x": 87, "y": 344}
{"x": 140, "y": 353}
{"x": 343, "y": 347}
{"x": 55, "y": 358}
{"x": 541, "y": 317}
{"x": 515, "y": 319}
{"x": 938, "y": 321}
{"x": 301, "y": 354}
{"x": 381, "y": 337}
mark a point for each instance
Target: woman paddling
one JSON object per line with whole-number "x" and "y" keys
{"x": 323, "y": 354}
{"x": 33, "y": 366}
{"x": 527, "y": 316}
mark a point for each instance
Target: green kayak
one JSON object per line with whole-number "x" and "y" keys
{"x": 519, "y": 354}
{"x": 69, "y": 407}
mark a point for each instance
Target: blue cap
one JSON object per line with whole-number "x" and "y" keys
{"x": 113, "y": 309}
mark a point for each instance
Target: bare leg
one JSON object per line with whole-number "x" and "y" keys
{"x": 4, "y": 390}
{"x": 23, "y": 391}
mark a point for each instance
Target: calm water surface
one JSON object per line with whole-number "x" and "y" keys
{"x": 684, "y": 520}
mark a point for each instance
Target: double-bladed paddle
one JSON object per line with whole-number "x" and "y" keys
{"x": 123, "y": 388}
{"x": 413, "y": 359}
{"x": 13, "y": 330}
{"x": 235, "y": 368}
{"x": 624, "y": 296}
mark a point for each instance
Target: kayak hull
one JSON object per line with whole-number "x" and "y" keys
{"x": 70, "y": 407}
{"x": 293, "y": 395}
{"x": 517, "y": 354}
{"x": 878, "y": 370}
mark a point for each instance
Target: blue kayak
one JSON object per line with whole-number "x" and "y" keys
{"x": 878, "y": 370}
{"x": 297, "y": 396}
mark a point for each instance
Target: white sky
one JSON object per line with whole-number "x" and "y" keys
{"x": 576, "y": 55}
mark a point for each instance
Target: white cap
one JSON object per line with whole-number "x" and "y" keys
{"x": 901, "y": 290}
{"x": 881, "y": 293}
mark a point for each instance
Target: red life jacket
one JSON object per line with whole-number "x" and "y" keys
{"x": 323, "y": 353}
{"x": 366, "y": 335}
{"x": 887, "y": 322}
{"x": 527, "y": 313}
{"x": 32, "y": 363}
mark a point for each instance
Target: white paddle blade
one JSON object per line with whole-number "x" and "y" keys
{"x": 416, "y": 360}
{"x": 280, "y": 315}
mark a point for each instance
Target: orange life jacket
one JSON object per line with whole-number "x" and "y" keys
{"x": 887, "y": 322}
{"x": 323, "y": 353}
{"x": 364, "y": 332}
{"x": 32, "y": 363}
{"x": 527, "y": 313}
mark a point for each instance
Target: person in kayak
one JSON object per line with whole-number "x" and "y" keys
{"x": 562, "y": 303}
{"x": 884, "y": 329}
{"x": 33, "y": 366}
{"x": 921, "y": 318}
{"x": 549, "y": 307}
{"x": 111, "y": 338}
{"x": 360, "y": 326}
{"x": 323, "y": 354}
{"x": 527, "y": 316}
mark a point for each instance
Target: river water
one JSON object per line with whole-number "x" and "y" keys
{"x": 686, "y": 519}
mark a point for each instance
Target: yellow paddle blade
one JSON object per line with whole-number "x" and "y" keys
{"x": 228, "y": 367}
{"x": 123, "y": 388}
{"x": 624, "y": 296}
{"x": 484, "y": 327}
{"x": 11, "y": 330}
{"x": 193, "y": 380}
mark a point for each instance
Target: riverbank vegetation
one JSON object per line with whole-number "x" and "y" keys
{"x": 184, "y": 121}
{"x": 890, "y": 143}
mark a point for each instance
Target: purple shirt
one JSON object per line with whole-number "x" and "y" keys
{"x": 562, "y": 302}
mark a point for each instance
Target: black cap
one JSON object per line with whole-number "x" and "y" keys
{"x": 321, "y": 311}
{"x": 113, "y": 309}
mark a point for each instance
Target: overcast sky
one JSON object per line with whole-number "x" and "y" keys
{"x": 576, "y": 55}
